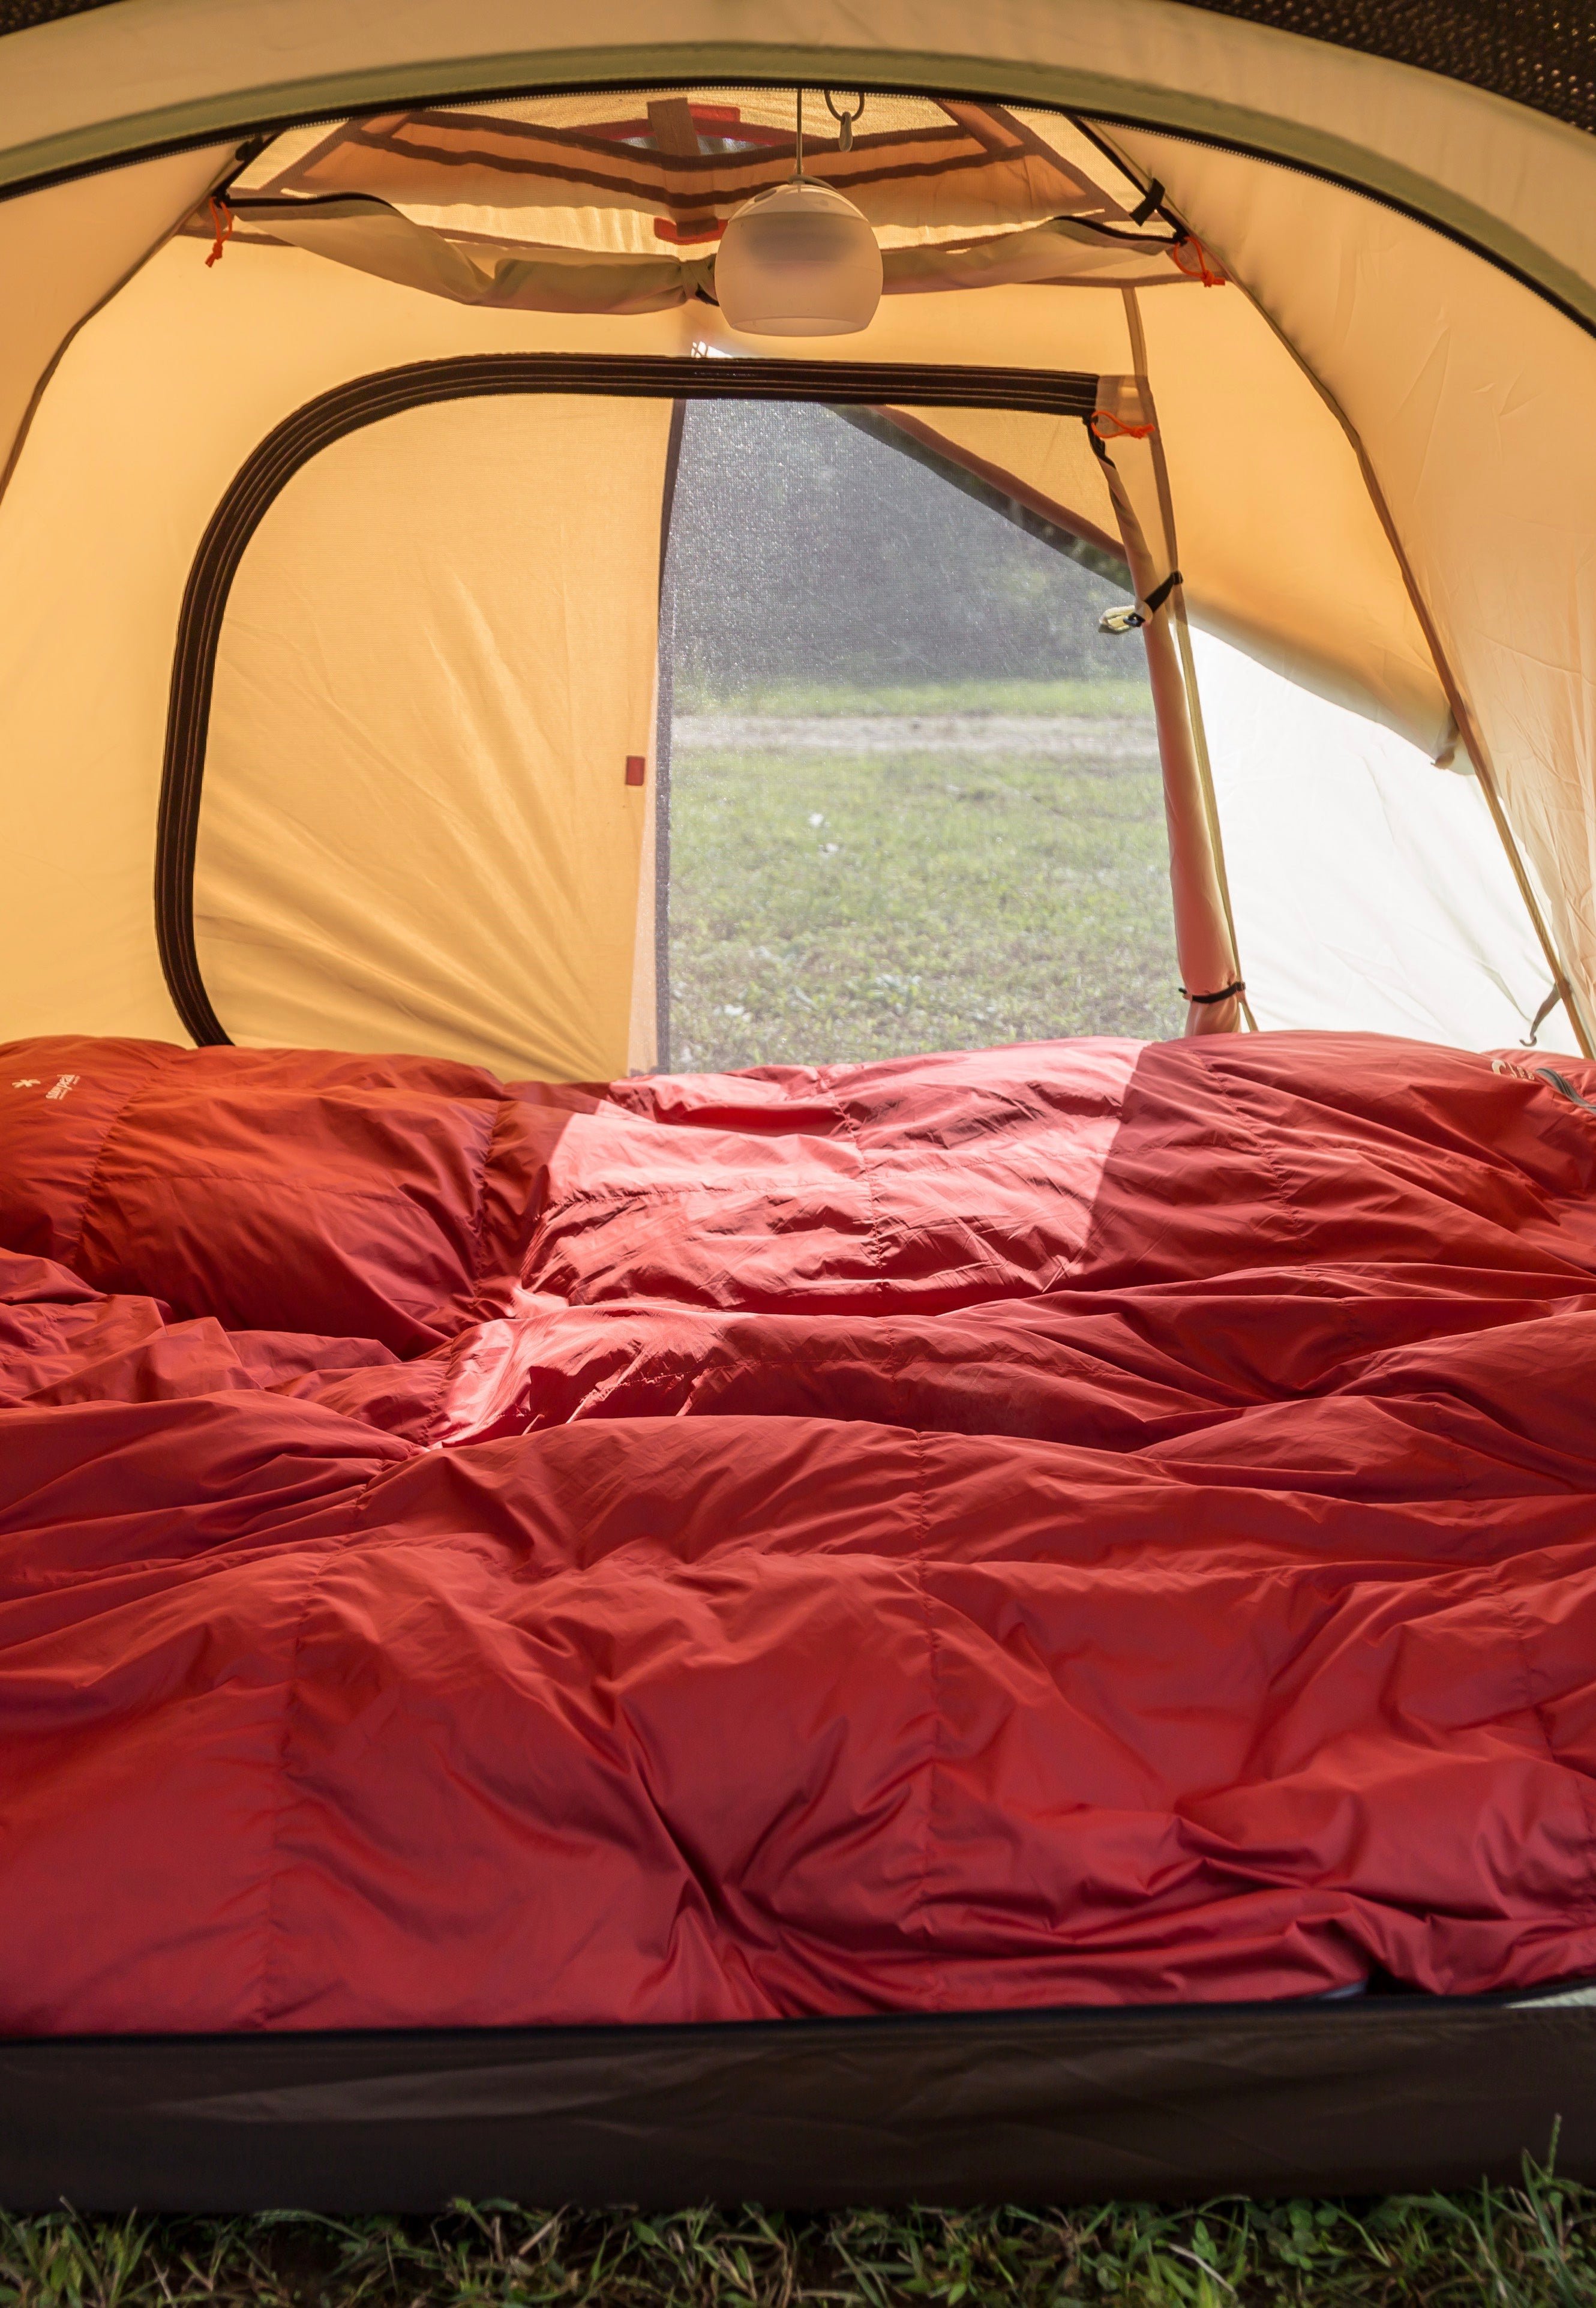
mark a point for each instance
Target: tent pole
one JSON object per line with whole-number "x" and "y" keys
{"x": 1203, "y": 945}
{"x": 1194, "y": 702}
{"x": 1205, "y": 942}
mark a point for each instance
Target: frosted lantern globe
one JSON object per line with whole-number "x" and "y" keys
{"x": 798, "y": 261}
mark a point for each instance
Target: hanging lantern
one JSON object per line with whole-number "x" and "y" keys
{"x": 798, "y": 261}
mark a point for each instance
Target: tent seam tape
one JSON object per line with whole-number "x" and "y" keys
{"x": 270, "y": 1931}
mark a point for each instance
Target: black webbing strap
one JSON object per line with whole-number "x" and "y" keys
{"x": 1148, "y": 203}
{"x": 1228, "y": 994}
{"x": 1161, "y": 593}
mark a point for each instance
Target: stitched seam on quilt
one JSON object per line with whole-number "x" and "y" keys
{"x": 1513, "y": 1606}
{"x": 1266, "y": 1157}
{"x": 163, "y": 1063}
{"x": 934, "y": 1660}
{"x": 479, "y": 1230}
{"x": 877, "y": 1251}
{"x": 331, "y": 1552}
{"x": 446, "y": 1370}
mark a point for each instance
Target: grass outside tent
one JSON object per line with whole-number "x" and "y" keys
{"x": 859, "y": 874}
{"x": 1517, "y": 2247}
{"x": 1101, "y": 698}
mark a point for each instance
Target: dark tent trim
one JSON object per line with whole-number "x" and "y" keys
{"x": 1386, "y": 2092}
{"x": 1540, "y": 53}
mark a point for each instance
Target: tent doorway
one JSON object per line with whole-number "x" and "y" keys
{"x": 915, "y": 799}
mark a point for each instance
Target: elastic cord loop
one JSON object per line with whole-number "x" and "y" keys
{"x": 1202, "y": 270}
{"x": 1121, "y": 431}
{"x": 224, "y": 230}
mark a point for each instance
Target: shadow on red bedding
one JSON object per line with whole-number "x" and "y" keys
{"x": 1086, "y": 1523}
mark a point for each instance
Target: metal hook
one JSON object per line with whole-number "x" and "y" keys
{"x": 845, "y": 120}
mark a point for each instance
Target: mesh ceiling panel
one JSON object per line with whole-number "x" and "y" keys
{"x": 1539, "y": 52}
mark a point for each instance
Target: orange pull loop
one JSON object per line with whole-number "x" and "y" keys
{"x": 1202, "y": 270}
{"x": 219, "y": 210}
{"x": 1119, "y": 431}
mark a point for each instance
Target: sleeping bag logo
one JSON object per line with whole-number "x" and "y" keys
{"x": 59, "y": 1088}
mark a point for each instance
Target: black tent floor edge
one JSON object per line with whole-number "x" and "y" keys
{"x": 1381, "y": 2094}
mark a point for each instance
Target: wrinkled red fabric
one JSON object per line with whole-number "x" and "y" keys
{"x": 1090, "y": 1522}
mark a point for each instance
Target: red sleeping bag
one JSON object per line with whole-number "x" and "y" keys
{"x": 1083, "y": 1523}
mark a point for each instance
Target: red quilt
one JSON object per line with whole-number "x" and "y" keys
{"x": 1081, "y": 1523}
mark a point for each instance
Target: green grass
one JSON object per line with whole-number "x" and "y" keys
{"x": 827, "y": 908}
{"x": 1511, "y": 2247}
{"x": 1073, "y": 697}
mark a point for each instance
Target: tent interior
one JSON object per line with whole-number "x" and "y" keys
{"x": 1400, "y": 862}
{"x": 382, "y": 495}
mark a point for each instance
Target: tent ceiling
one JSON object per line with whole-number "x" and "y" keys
{"x": 1540, "y": 51}
{"x": 127, "y": 79}
{"x": 614, "y": 203}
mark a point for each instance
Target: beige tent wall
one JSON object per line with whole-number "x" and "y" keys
{"x": 151, "y": 411}
{"x": 416, "y": 831}
{"x": 1471, "y": 398}
{"x": 64, "y": 250}
{"x": 1371, "y": 889}
{"x": 1252, "y": 459}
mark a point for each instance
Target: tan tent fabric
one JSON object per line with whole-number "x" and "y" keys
{"x": 64, "y": 250}
{"x": 1470, "y": 398}
{"x": 416, "y": 831}
{"x": 152, "y": 410}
